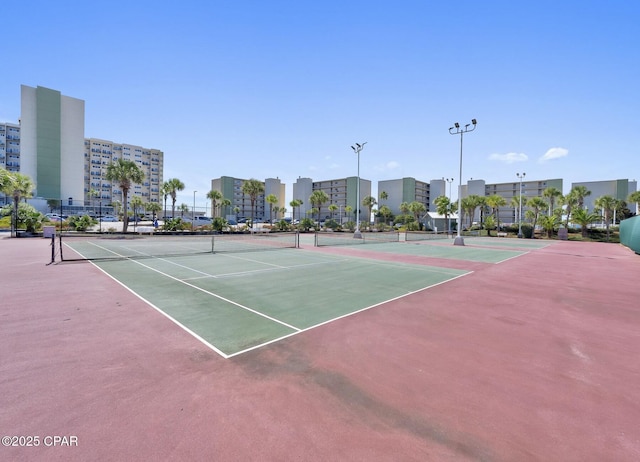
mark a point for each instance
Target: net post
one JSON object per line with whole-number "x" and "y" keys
{"x": 60, "y": 244}
{"x": 53, "y": 248}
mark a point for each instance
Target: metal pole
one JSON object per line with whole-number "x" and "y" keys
{"x": 449, "y": 180}
{"x": 193, "y": 211}
{"x": 357, "y": 149}
{"x": 520, "y": 205}
{"x": 459, "y": 240}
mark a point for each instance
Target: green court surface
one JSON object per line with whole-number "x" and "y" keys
{"x": 237, "y": 302}
{"x": 444, "y": 249}
{"x": 507, "y": 242}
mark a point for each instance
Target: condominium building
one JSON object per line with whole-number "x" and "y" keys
{"x": 511, "y": 193}
{"x": 9, "y": 150}
{"x": 49, "y": 146}
{"x": 342, "y": 192}
{"x": 98, "y": 154}
{"x": 10, "y": 147}
{"x": 404, "y": 190}
{"x": 619, "y": 189}
{"x": 52, "y": 143}
{"x": 231, "y": 189}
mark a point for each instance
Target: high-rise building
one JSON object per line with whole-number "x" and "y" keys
{"x": 231, "y": 188}
{"x": 9, "y": 150}
{"x": 618, "y": 189}
{"x": 511, "y": 193}
{"x": 343, "y": 193}
{"x": 49, "y": 146}
{"x": 98, "y": 154}
{"x": 403, "y": 190}
{"x": 52, "y": 143}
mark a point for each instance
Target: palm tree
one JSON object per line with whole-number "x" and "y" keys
{"x": 369, "y": 202}
{"x": 536, "y": 204}
{"x": 116, "y": 208}
{"x": 443, "y": 207}
{"x": 385, "y": 211}
{"x": 154, "y": 208}
{"x": 136, "y": 201}
{"x": 384, "y": 196}
{"x": 584, "y": 218}
{"x": 316, "y": 199}
{"x": 252, "y": 188}
{"x": 608, "y": 204}
{"x": 184, "y": 208}
{"x": 635, "y": 197}
{"x": 417, "y": 208}
{"x": 165, "y": 190}
{"x": 580, "y": 192}
{"x": 549, "y": 223}
{"x": 295, "y": 203}
{"x": 125, "y": 173}
{"x": 515, "y": 203}
{"x": 214, "y": 195}
{"x": 5, "y": 179}
{"x": 332, "y": 208}
{"x": 224, "y": 203}
{"x": 347, "y": 210}
{"x": 19, "y": 186}
{"x": 470, "y": 204}
{"x": 571, "y": 202}
{"x": 496, "y": 201}
{"x": 173, "y": 186}
{"x": 404, "y": 208}
{"x": 272, "y": 200}
{"x": 551, "y": 194}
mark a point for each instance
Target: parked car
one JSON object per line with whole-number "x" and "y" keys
{"x": 201, "y": 221}
{"x": 53, "y": 217}
{"x": 109, "y": 218}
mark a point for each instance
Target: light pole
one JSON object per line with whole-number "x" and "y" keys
{"x": 459, "y": 240}
{"x": 520, "y": 177}
{"x": 449, "y": 181}
{"x": 193, "y": 210}
{"x": 357, "y": 148}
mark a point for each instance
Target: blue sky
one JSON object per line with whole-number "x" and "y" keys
{"x": 284, "y": 88}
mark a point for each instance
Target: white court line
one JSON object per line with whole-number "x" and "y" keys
{"x": 296, "y": 329}
{"x": 207, "y": 292}
{"x": 511, "y": 258}
{"x": 344, "y": 316}
{"x": 175, "y": 321}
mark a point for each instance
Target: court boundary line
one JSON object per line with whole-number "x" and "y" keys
{"x": 328, "y": 321}
{"x": 202, "y": 290}
{"x": 166, "y": 315}
{"x": 274, "y": 340}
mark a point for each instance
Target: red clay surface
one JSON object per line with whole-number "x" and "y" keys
{"x": 532, "y": 359}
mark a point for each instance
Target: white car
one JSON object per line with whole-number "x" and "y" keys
{"x": 201, "y": 221}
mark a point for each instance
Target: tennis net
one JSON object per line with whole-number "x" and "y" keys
{"x": 72, "y": 247}
{"x": 424, "y": 235}
{"x": 338, "y": 238}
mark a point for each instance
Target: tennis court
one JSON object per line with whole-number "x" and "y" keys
{"x": 487, "y": 251}
{"x": 237, "y": 300}
{"x": 482, "y": 367}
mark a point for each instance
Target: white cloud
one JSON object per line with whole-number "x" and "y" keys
{"x": 510, "y": 157}
{"x": 554, "y": 153}
{"x": 389, "y": 166}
